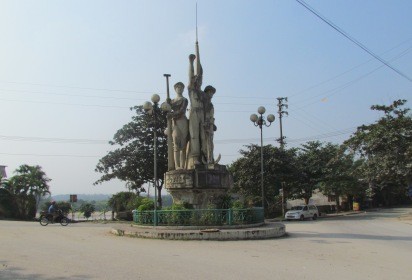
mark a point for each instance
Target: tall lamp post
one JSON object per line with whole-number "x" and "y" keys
{"x": 259, "y": 121}
{"x": 152, "y": 109}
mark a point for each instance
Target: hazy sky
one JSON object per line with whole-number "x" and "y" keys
{"x": 70, "y": 70}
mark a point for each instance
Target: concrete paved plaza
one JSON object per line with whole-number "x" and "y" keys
{"x": 373, "y": 245}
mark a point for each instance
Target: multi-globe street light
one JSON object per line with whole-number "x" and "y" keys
{"x": 152, "y": 109}
{"x": 259, "y": 121}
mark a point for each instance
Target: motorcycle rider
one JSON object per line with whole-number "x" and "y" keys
{"x": 53, "y": 210}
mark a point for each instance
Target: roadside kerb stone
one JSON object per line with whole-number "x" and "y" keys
{"x": 322, "y": 216}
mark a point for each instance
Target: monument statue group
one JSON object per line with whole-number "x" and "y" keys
{"x": 195, "y": 176}
{"x": 193, "y": 137}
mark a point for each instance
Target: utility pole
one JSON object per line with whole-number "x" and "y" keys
{"x": 281, "y": 112}
{"x": 283, "y": 184}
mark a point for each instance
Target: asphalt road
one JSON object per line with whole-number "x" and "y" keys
{"x": 375, "y": 245}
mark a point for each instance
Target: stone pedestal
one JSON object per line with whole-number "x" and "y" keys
{"x": 199, "y": 186}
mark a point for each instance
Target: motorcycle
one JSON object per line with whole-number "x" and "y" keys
{"x": 47, "y": 218}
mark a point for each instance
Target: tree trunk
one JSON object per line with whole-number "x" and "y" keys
{"x": 350, "y": 201}
{"x": 20, "y": 207}
{"x": 385, "y": 196}
{"x": 159, "y": 196}
{"x": 37, "y": 197}
{"x": 337, "y": 200}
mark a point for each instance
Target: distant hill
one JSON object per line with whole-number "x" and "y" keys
{"x": 85, "y": 197}
{"x": 167, "y": 198}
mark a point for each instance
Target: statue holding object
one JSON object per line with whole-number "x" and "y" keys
{"x": 209, "y": 124}
{"x": 179, "y": 126}
{"x": 196, "y": 115}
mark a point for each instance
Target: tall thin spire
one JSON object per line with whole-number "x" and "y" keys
{"x": 196, "y": 22}
{"x": 199, "y": 70}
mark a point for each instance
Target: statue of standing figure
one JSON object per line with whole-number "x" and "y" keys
{"x": 209, "y": 124}
{"x": 179, "y": 126}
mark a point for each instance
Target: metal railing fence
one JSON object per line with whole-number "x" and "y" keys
{"x": 199, "y": 217}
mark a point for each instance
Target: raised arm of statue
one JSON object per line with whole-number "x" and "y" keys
{"x": 192, "y": 76}
{"x": 199, "y": 69}
{"x": 195, "y": 73}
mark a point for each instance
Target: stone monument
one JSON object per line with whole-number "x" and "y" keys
{"x": 196, "y": 178}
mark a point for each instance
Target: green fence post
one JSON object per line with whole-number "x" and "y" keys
{"x": 230, "y": 214}
{"x": 155, "y": 217}
{"x": 135, "y": 216}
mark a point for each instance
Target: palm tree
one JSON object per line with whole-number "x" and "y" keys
{"x": 26, "y": 188}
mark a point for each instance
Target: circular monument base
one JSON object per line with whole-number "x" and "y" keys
{"x": 200, "y": 186}
{"x": 265, "y": 231}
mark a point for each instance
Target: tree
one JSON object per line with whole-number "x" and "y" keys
{"x": 340, "y": 177}
{"x": 144, "y": 204}
{"x": 26, "y": 188}
{"x": 311, "y": 162}
{"x": 8, "y": 208}
{"x": 87, "y": 209}
{"x": 132, "y": 162}
{"x": 122, "y": 201}
{"x": 278, "y": 167}
{"x": 386, "y": 147}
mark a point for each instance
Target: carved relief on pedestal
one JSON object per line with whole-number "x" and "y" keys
{"x": 178, "y": 180}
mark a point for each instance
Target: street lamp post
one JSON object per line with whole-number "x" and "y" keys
{"x": 152, "y": 109}
{"x": 260, "y": 122}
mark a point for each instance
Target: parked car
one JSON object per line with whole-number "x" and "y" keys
{"x": 302, "y": 212}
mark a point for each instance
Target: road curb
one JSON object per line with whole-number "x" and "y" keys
{"x": 267, "y": 231}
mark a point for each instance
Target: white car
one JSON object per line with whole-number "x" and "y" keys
{"x": 302, "y": 212}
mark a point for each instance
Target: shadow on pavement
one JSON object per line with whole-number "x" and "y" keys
{"x": 371, "y": 214}
{"x": 11, "y": 273}
{"x": 348, "y": 236}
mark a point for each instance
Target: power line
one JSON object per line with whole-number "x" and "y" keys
{"x": 76, "y": 87}
{"x": 68, "y": 104}
{"x": 99, "y": 141}
{"x": 331, "y": 91}
{"x": 109, "y": 97}
{"x": 322, "y": 136}
{"x": 305, "y": 121}
{"x": 53, "y": 140}
{"x": 351, "y": 69}
{"x": 223, "y": 141}
{"x": 112, "y": 106}
{"x": 353, "y": 40}
{"x": 336, "y": 90}
{"x": 313, "y": 137}
{"x": 44, "y": 155}
{"x": 316, "y": 118}
{"x": 109, "y": 90}
{"x": 328, "y": 92}
{"x": 65, "y": 94}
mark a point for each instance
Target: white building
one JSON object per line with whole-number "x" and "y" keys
{"x": 325, "y": 203}
{"x": 3, "y": 171}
